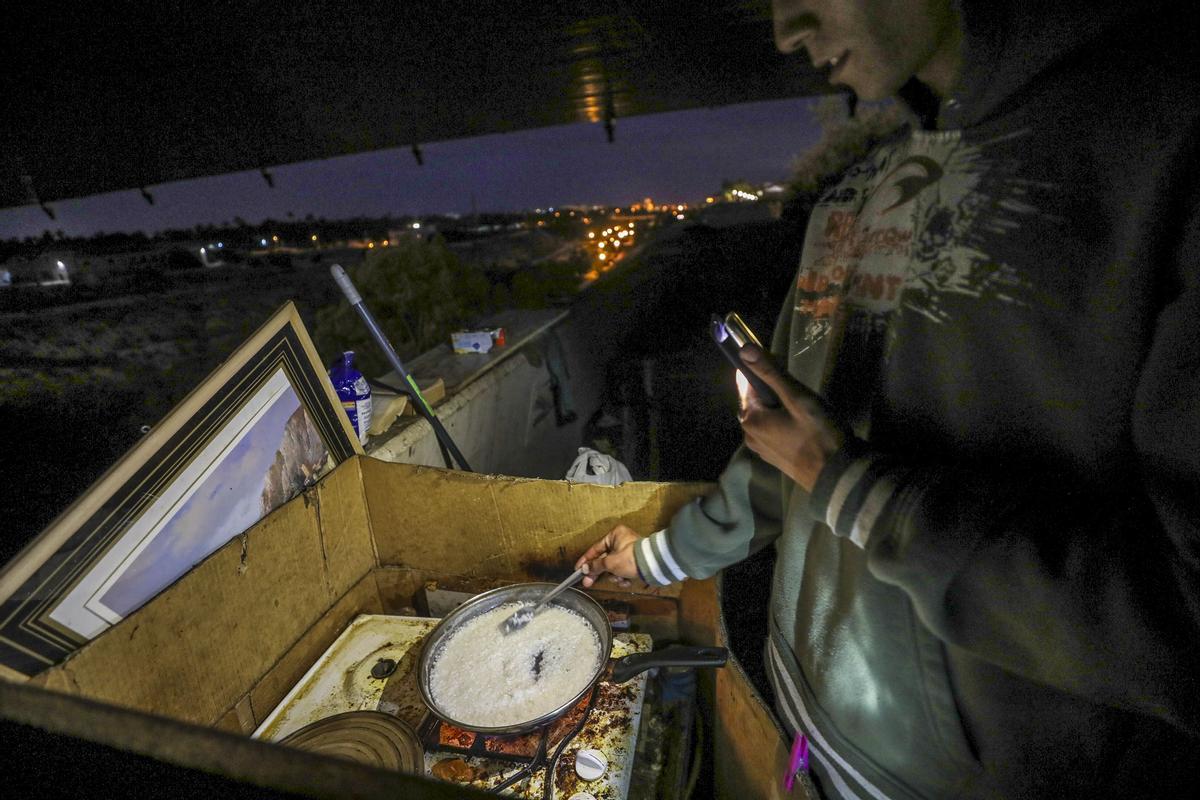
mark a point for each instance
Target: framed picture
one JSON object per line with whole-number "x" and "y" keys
{"x": 260, "y": 429}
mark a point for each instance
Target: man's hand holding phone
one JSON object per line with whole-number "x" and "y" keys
{"x": 732, "y": 335}
{"x": 799, "y": 435}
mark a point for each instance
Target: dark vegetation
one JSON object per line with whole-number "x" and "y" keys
{"x": 420, "y": 291}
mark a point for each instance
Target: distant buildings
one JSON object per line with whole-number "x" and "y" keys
{"x": 67, "y": 267}
{"x": 49, "y": 268}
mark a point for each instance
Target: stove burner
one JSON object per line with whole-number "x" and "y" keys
{"x": 383, "y": 668}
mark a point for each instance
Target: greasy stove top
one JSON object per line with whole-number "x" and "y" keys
{"x": 372, "y": 665}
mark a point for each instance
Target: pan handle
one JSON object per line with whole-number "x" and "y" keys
{"x": 677, "y": 655}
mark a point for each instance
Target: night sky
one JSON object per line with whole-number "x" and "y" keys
{"x": 674, "y": 157}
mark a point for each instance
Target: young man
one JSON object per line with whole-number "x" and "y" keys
{"x": 984, "y": 484}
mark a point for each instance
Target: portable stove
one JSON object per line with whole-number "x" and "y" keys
{"x": 369, "y": 666}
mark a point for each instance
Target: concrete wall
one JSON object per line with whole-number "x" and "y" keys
{"x": 503, "y": 421}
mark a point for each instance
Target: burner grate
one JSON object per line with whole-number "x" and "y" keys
{"x": 528, "y": 749}
{"x": 520, "y": 748}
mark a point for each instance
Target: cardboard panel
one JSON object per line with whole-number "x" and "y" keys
{"x": 458, "y": 523}
{"x": 363, "y": 598}
{"x": 699, "y": 612}
{"x": 195, "y": 650}
{"x": 346, "y": 541}
{"x": 397, "y": 586}
{"x": 753, "y": 749}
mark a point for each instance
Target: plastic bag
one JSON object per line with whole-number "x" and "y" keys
{"x": 592, "y": 466}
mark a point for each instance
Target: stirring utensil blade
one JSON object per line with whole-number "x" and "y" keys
{"x": 523, "y": 616}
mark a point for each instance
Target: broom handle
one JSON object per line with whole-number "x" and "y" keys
{"x": 356, "y": 301}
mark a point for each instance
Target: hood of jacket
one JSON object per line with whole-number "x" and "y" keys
{"x": 1007, "y": 44}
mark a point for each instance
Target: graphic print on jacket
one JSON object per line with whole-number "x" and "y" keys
{"x": 913, "y": 224}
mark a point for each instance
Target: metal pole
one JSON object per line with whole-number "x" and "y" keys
{"x": 356, "y": 301}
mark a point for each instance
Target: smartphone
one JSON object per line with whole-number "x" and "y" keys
{"x": 732, "y": 334}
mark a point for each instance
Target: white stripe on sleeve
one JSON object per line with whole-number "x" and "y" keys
{"x": 664, "y": 547}
{"x": 872, "y": 507}
{"x": 652, "y": 561}
{"x": 842, "y": 489}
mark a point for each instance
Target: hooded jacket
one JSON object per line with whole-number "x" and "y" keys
{"x": 994, "y": 588}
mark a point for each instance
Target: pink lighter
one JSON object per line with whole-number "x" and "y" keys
{"x": 797, "y": 762}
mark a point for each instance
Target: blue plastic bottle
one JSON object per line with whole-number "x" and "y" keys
{"x": 354, "y": 392}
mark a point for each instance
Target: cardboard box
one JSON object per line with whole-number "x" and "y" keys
{"x": 186, "y": 678}
{"x": 465, "y": 342}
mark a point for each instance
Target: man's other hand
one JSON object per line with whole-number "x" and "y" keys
{"x": 614, "y": 555}
{"x": 798, "y": 436}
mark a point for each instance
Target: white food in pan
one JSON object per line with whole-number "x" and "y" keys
{"x": 485, "y": 679}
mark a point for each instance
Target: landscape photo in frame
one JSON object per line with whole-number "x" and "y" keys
{"x": 258, "y": 431}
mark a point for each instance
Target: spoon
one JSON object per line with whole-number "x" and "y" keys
{"x": 522, "y": 616}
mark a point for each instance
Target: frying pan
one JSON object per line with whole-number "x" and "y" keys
{"x": 574, "y": 600}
